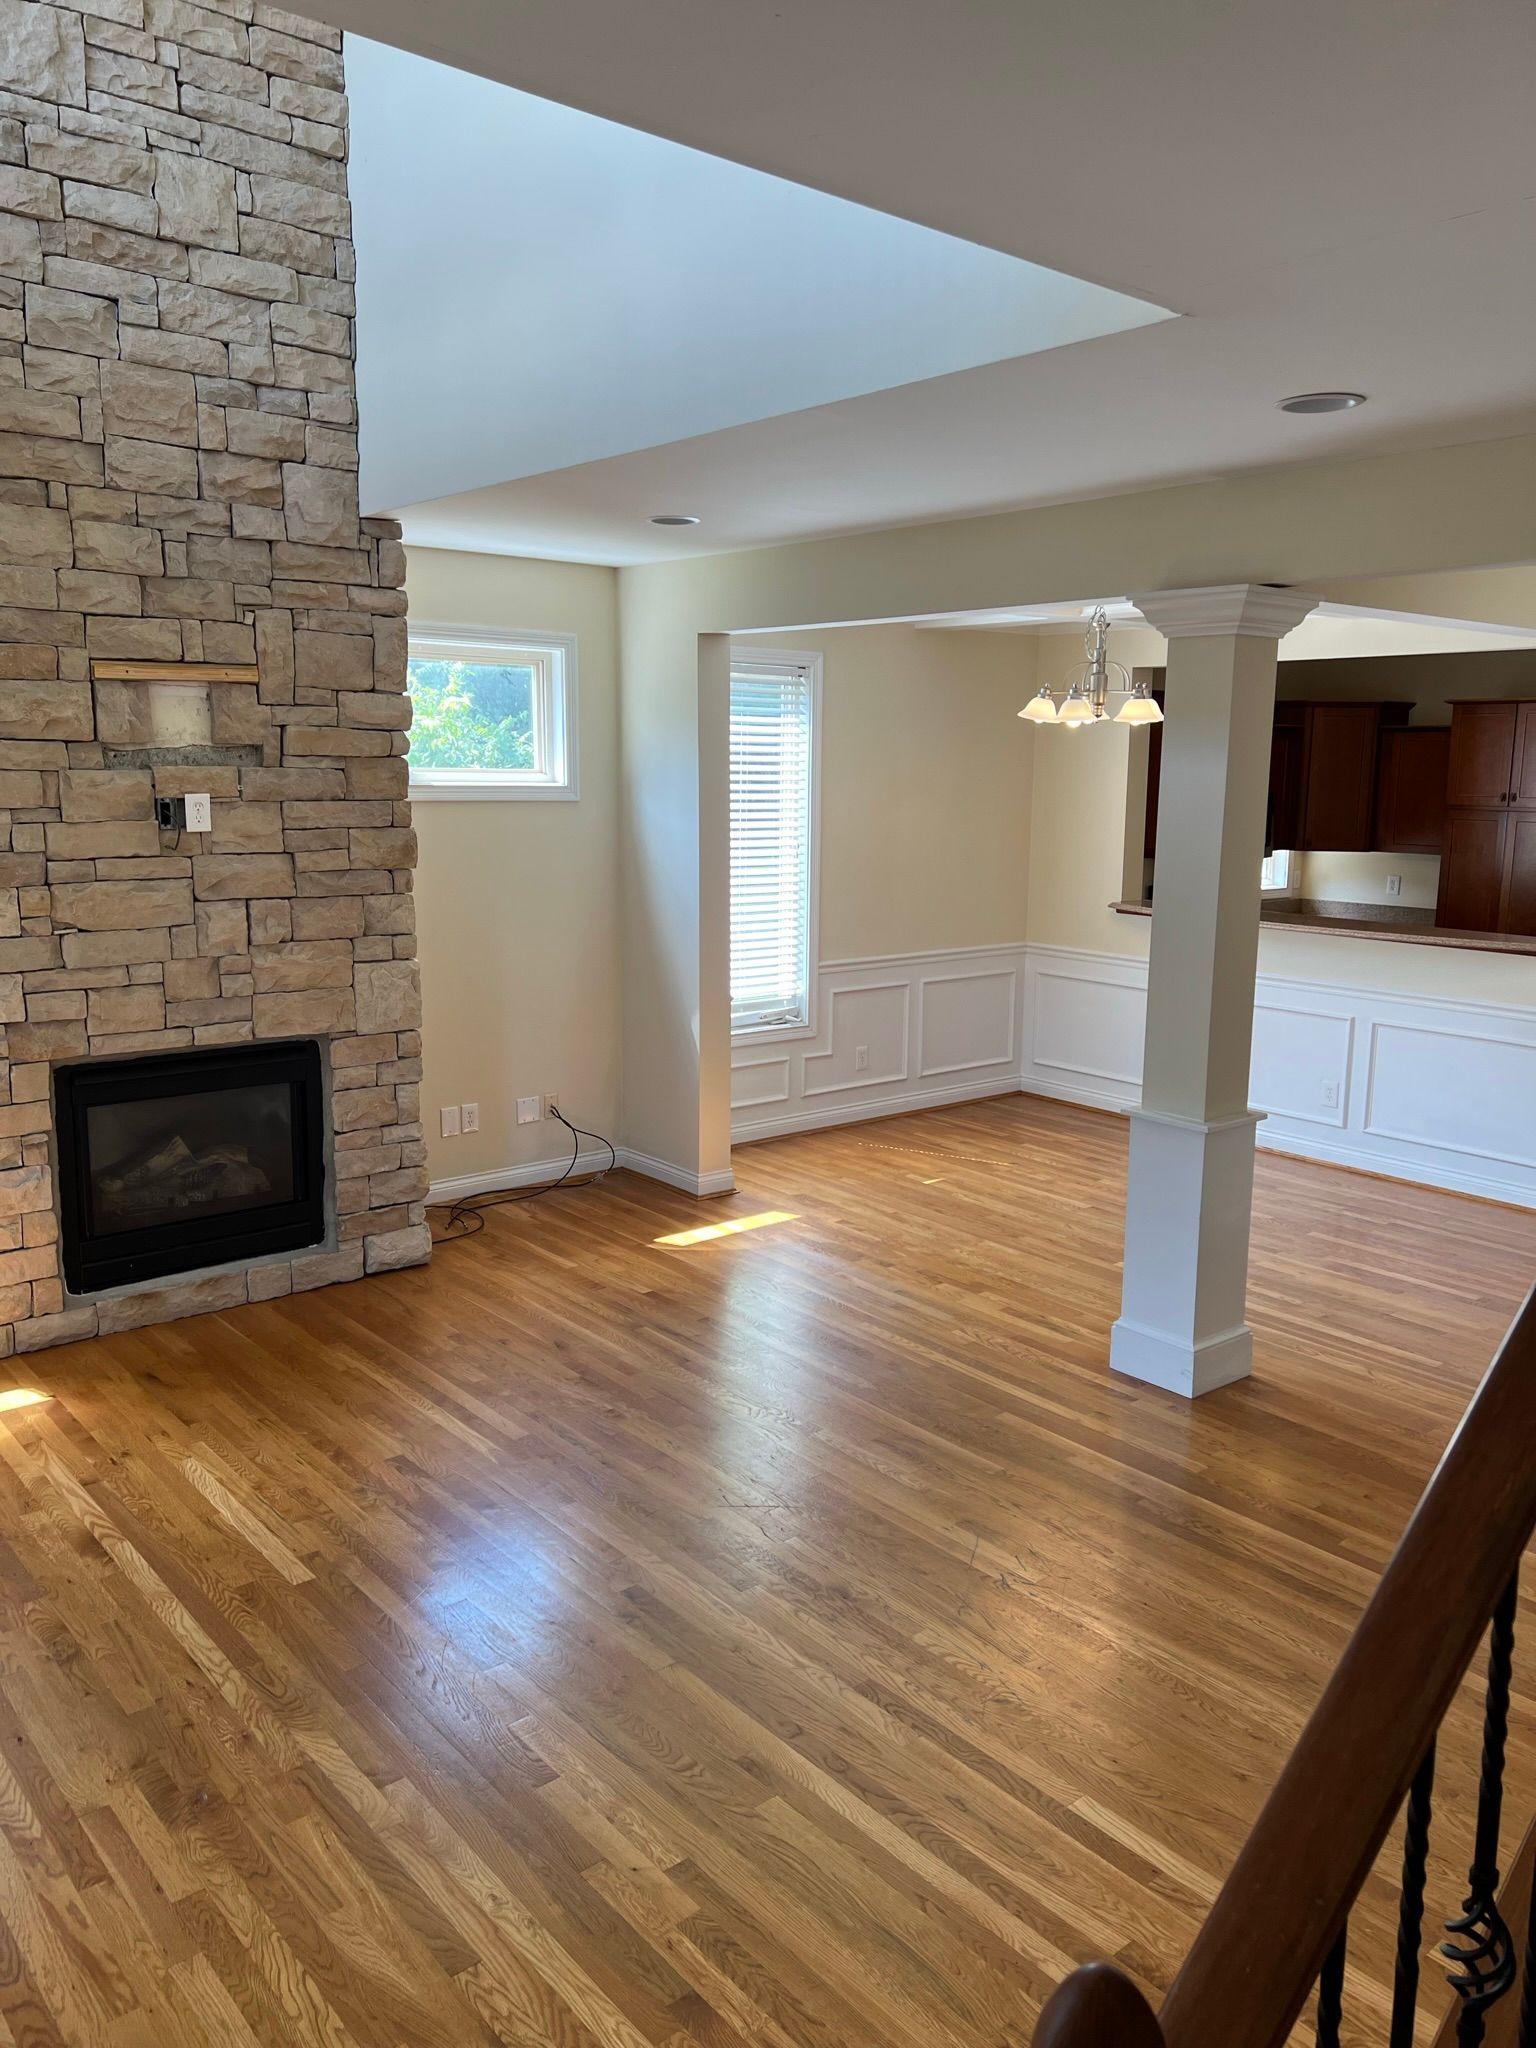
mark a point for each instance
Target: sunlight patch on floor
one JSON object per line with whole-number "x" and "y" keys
{"x": 709, "y": 1233}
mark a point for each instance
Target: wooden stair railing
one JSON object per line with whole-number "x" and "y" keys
{"x": 1279, "y": 1926}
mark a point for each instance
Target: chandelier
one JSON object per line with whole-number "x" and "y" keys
{"x": 1086, "y": 701}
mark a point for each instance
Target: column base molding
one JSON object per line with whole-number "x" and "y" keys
{"x": 1177, "y": 1364}
{"x": 1189, "y": 1193}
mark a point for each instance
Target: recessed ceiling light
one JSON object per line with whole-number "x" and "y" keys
{"x": 674, "y": 519}
{"x": 1323, "y": 401}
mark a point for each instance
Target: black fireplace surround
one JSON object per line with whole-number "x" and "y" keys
{"x": 182, "y": 1160}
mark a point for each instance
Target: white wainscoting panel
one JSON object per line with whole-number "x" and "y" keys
{"x": 932, "y": 1027}
{"x": 1423, "y": 1088}
{"x": 966, "y": 1021}
{"x": 1455, "y": 1089}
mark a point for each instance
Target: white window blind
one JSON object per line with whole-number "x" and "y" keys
{"x": 772, "y": 733}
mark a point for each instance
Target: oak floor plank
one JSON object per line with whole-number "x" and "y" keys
{"x": 790, "y": 1637}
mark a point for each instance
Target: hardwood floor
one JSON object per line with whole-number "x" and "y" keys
{"x": 793, "y": 1637}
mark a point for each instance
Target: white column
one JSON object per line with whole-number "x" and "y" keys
{"x": 1190, "y": 1196}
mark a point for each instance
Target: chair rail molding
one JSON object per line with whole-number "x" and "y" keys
{"x": 896, "y": 1031}
{"x": 1420, "y": 1088}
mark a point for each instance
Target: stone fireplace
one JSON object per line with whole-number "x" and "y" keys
{"x": 190, "y": 605}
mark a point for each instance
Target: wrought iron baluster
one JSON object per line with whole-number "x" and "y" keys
{"x": 1330, "y": 1992}
{"x": 1526, "y": 2038}
{"x": 1410, "y": 1911}
{"x": 1486, "y": 1964}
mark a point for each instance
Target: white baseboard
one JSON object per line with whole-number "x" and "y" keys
{"x": 1487, "y": 1187}
{"x": 721, "y": 1183}
{"x": 460, "y": 1186}
{"x": 745, "y": 1132}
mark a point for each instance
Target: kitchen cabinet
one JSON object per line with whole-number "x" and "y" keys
{"x": 1287, "y": 755}
{"x": 1482, "y": 754}
{"x": 1488, "y": 869}
{"x": 1322, "y": 775}
{"x": 1411, "y": 780}
{"x": 1519, "y": 892}
{"x": 1522, "y": 777}
{"x": 1341, "y": 745}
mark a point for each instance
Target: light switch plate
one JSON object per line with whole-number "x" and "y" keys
{"x": 199, "y": 813}
{"x": 449, "y": 1118}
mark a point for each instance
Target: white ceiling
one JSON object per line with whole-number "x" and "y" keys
{"x": 1332, "y": 196}
{"x": 630, "y": 291}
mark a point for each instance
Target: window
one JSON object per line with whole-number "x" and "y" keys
{"x": 773, "y": 841}
{"x": 1276, "y": 871}
{"x": 493, "y": 715}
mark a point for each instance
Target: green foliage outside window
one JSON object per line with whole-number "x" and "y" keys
{"x": 472, "y": 714}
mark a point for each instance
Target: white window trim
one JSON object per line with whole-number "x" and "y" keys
{"x": 784, "y": 1034}
{"x": 428, "y": 641}
{"x": 1289, "y": 886}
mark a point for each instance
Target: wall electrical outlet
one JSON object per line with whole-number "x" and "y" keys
{"x": 1330, "y": 1095}
{"x": 528, "y": 1109}
{"x": 860, "y": 1058}
{"x": 469, "y": 1116}
{"x": 448, "y": 1117}
{"x": 199, "y": 813}
{"x": 1394, "y": 885}
{"x": 551, "y": 1105}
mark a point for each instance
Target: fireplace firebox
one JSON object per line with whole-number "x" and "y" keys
{"x": 182, "y": 1160}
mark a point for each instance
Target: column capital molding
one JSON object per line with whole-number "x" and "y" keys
{"x": 1260, "y": 611}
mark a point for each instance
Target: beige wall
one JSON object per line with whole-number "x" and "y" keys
{"x": 1077, "y": 824}
{"x": 924, "y": 788}
{"x": 518, "y": 901}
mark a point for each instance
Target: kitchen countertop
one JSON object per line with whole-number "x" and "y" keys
{"x": 1372, "y": 921}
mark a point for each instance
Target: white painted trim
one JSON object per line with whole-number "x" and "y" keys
{"x": 1358, "y": 1134}
{"x": 1008, "y": 948}
{"x": 922, "y": 1049}
{"x": 429, "y": 786}
{"x": 1260, "y": 611}
{"x": 720, "y": 1183}
{"x": 459, "y": 1186}
{"x": 901, "y": 1073}
{"x": 747, "y": 1131}
{"x": 928, "y": 981}
{"x": 783, "y": 1034}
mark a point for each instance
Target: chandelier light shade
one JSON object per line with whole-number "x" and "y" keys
{"x": 1140, "y": 708}
{"x": 1041, "y": 708}
{"x": 1087, "y": 698}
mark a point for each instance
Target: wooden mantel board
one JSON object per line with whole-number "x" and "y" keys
{"x": 174, "y": 672}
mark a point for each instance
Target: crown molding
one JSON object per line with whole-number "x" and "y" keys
{"x": 1261, "y": 611}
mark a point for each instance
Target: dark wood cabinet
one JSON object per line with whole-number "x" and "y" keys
{"x": 1482, "y": 754}
{"x": 1154, "y": 786}
{"x": 1519, "y": 893}
{"x": 1322, "y": 775}
{"x": 1522, "y": 774}
{"x": 1472, "y": 870}
{"x": 1488, "y": 869}
{"x": 1338, "y": 797}
{"x": 1282, "y": 825}
{"x": 1411, "y": 786}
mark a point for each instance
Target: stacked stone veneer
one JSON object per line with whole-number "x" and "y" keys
{"x": 178, "y": 483}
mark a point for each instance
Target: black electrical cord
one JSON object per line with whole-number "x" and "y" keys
{"x": 466, "y": 1217}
